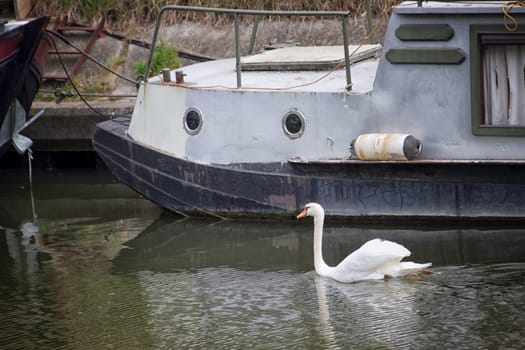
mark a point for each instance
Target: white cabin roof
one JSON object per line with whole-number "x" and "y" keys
{"x": 221, "y": 74}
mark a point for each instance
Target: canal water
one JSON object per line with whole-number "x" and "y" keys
{"x": 85, "y": 263}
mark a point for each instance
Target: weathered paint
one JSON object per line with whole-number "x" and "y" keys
{"x": 351, "y": 189}
{"x": 240, "y": 162}
{"x": 244, "y": 125}
{"x": 424, "y": 32}
{"x": 22, "y": 54}
{"x": 157, "y": 119}
{"x": 386, "y": 147}
{"x": 425, "y": 56}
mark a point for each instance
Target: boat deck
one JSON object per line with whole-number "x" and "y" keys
{"x": 316, "y": 69}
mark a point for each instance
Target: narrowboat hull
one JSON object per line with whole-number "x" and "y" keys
{"x": 460, "y": 190}
{"x": 22, "y": 58}
{"x": 434, "y": 119}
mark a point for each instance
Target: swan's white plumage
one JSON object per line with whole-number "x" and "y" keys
{"x": 375, "y": 259}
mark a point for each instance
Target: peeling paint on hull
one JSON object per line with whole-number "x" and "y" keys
{"x": 351, "y": 190}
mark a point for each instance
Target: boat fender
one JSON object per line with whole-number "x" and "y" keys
{"x": 386, "y": 147}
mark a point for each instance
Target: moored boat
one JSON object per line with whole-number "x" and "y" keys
{"x": 430, "y": 125}
{"x": 22, "y": 57}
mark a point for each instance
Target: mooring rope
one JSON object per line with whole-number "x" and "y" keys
{"x": 73, "y": 85}
{"x": 29, "y": 159}
{"x": 88, "y": 56}
{"x": 509, "y": 21}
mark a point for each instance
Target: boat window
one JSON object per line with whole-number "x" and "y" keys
{"x": 193, "y": 120}
{"x": 293, "y": 124}
{"x": 498, "y": 82}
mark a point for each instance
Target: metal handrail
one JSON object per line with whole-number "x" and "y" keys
{"x": 236, "y": 12}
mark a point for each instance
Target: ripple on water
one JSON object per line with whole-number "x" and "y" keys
{"x": 240, "y": 291}
{"x": 477, "y": 306}
{"x": 225, "y": 307}
{"x": 457, "y": 307}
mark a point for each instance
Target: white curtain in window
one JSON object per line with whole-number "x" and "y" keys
{"x": 504, "y": 84}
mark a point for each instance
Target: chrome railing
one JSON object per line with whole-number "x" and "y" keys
{"x": 236, "y": 12}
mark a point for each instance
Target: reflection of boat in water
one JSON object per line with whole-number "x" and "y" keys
{"x": 22, "y": 55}
{"x": 173, "y": 244}
{"x": 46, "y": 263}
{"x": 33, "y": 220}
{"x": 60, "y": 194}
{"x": 263, "y": 135}
{"x": 188, "y": 244}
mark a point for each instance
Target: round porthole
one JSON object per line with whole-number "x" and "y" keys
{"x": 293, "y": 124}
{"x": 193, "y": 120}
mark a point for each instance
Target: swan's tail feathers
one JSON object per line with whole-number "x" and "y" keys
{"x": 409, "y": 267}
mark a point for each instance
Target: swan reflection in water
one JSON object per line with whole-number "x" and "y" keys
{"x": 382, "y": 313}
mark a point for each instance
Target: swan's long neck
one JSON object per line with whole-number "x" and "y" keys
{"x": 320, "y": 266}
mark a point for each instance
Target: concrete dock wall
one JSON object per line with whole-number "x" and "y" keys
{"x": 70, "y": 126}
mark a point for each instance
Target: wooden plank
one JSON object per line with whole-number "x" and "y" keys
{"x": 307, "y": 57}
{"x": 22, "y": 8}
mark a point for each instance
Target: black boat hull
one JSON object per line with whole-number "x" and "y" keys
{"x": 22, "y": 57}
{"x": 358, "y": 190}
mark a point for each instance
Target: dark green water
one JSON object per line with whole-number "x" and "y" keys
{"x": 94, "y": 266}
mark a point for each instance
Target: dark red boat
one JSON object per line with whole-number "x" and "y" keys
{"x": 22, "y": 55}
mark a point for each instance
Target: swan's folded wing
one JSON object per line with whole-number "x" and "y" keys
{"x": 373, "y": 255}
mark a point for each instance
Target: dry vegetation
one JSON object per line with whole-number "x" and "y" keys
{"x": 134, "y": 19}
{"x": 119, "y": 13}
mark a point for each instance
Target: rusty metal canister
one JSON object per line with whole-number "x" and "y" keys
{"x": 386, "y": 147}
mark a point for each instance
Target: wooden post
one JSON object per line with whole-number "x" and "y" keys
{"x": 22, "y": 8}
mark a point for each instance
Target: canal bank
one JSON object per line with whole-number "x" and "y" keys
{"x": 62, "y": 138}
{"x": 69, "y": 126}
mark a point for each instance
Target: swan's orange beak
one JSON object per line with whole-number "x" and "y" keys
{"x": 302, "y": 214}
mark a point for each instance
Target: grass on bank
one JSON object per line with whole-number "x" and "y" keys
{"x": 120, "y": 13}
{"x": 165, "y": 56}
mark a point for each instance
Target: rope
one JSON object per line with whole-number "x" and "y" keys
{"x": 509, "y": 21}
{"x": 324, "y": 76}
{"x": 74, "y": 86}
{"x": 29, "y": 158}
{"x": 64, "y": 39}
{"x": 81, "y": 95}
{"x": 61, "y": 94}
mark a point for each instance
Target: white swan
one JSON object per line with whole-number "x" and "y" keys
{"x": 376, "y": 259}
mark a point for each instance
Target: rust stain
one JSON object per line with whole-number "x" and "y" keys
{"x": 287, "y": 201}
